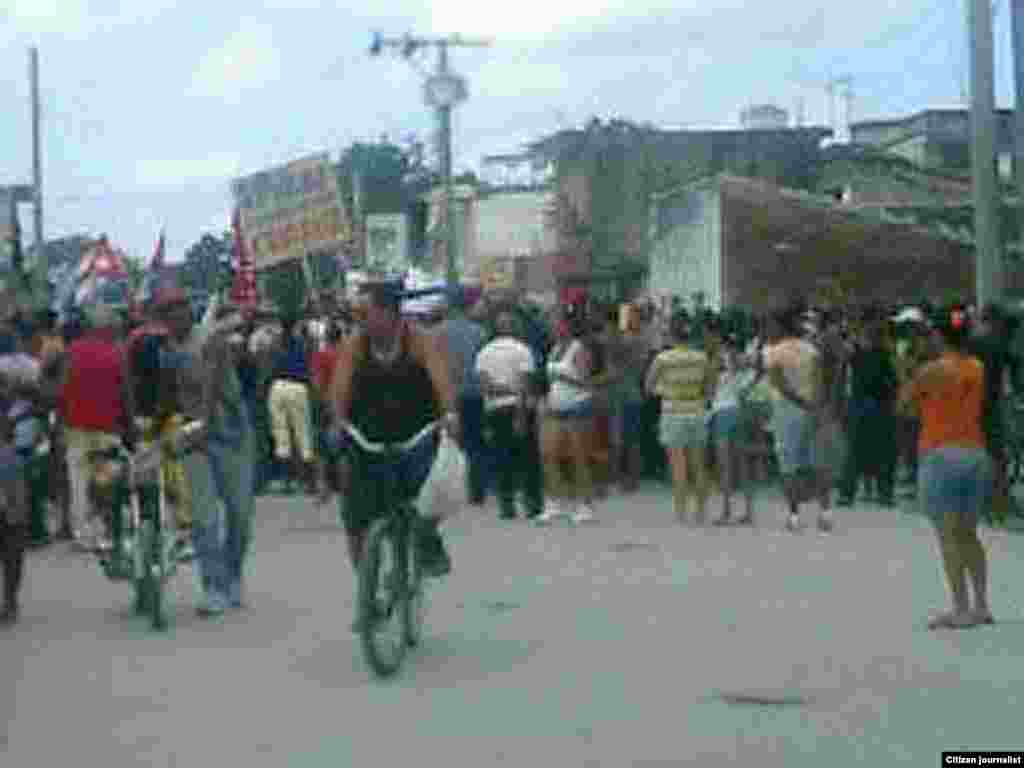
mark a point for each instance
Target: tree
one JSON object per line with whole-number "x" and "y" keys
{"x": 384, "y": 170}
{"x": 208, "y": 264}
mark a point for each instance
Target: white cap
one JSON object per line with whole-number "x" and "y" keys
{"x": 909, "y": 315}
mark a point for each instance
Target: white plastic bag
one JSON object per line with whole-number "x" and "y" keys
{"x": 444, "y": 492}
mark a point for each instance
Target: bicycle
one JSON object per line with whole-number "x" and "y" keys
{"x": 387, "y": 596}
{"x": 144, "y": 546}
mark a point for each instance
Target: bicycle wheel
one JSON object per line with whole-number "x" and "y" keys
{"x": 140, "y": 569}
{"x": 155, "y": 558}
{"x": 415, "y": 603}
{"x": 380, "y": 603}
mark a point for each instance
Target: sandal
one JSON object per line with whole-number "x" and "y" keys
{"x": 984, "y": 619}
{"x": 952, "y": 621}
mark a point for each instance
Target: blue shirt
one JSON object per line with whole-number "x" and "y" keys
{"x": 465, "y": 339}
{"x": 291, "y": 363}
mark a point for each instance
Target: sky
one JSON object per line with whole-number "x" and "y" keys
{"x": 151, "y": 107}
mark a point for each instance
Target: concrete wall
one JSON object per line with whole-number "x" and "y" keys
{"x": 826, "y": 249}
{"x": 510, "y": 223}
{"x": 686, "y": 238}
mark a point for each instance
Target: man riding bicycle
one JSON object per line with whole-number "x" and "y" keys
{"x": 392, "y": 380}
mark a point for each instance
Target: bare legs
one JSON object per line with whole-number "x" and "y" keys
{"x": 689, "y": 478}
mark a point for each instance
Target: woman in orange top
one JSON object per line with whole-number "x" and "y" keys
{"x": 955, "y": 473}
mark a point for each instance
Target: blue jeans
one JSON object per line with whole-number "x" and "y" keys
{"x": 222, "y": 475}
{"x": 206, "y": 527}
{"x": 481, "y": 469}
{"x": 234, "y": 477}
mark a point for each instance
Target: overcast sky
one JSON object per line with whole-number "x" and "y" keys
{"x": 152, "y": 106}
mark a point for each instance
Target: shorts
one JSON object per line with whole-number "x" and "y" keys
{"x": 683, "y": 431}
{"x": 575, "y": 418}
{"x": 375, "y": 483}
{"x": 727, "y": 425}
{"x": 955, "y": 479}
{"x": 795, "y": 431}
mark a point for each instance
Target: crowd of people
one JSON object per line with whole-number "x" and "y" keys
{"x": 555, "y": 409}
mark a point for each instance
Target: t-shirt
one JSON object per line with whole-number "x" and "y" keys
{"x": 873, "y": 375}
{"x": 505, "y": 361}
{"x": 323, "y": 363}
{"x": 463, "y": 339}
{"x": 732, "y": 385}
{"x": 950, "y": 392}
{"x": 627, "y": 361}
{"x": 290, "y": 363}
{"x": 799, "y": 361}
{"x": 93, "y": 390}
{"x": 680, "y": 377}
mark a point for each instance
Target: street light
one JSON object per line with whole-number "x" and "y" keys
{"x": 444, "y": 92}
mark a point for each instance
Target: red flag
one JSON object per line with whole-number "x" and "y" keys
{"x": 153, "y": 274}
{"x": 243, "y": 292}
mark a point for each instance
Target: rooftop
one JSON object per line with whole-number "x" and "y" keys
{"x": 894, "y": 121}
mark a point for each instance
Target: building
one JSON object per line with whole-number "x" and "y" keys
{"x": 514, "y": 240}
{"x": 606, "y": 174}
{"x": 935, "y": 138}
{"x": 764, "y": 117}
{"x": 740, "y": 242}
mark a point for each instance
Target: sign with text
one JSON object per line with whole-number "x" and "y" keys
{"x": 387, "y": 242}
{"x": 290, "y": 211}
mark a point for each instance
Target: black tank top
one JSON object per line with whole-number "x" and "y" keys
{"x": 391, "y": 403}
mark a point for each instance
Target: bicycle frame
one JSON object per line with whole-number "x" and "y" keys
{"x": 396, "y": 522}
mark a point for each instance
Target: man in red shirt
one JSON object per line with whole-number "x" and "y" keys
{"x": 95, "y": 409}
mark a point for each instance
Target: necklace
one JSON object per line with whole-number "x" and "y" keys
{"x": 386, "y": 355}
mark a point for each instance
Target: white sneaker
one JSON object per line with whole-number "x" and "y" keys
{"x": 793, "y": 523}
{"x": 584, "y": 514}
{"x": 551, "y": 513}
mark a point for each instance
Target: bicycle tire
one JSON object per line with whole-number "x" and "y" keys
{"x": 414, "y": 603}
{"x": 380, "y": 539}
{"x": 140, "y": 571}
{"x": 157, "y": 612}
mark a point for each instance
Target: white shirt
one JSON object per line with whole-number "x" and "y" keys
{"x": 505, "y": 361}
{"x": 731, "y": 385}
{"x": 564, "y": 395}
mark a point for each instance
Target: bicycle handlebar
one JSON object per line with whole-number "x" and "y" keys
{"x": 370, "y": 447}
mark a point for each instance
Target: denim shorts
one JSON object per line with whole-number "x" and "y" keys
{"x": 955, "y": 479}
{"x": 683, "y": 431}
{"x": 726, "y": 424}
{"x": 376, "y": 482}
{"x": 794, "y": 430}
{"x": 578, "y": 417}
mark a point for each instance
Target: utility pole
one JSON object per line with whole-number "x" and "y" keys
{"x": 988, "y": 248}
{"x": 41, "y": 263}
{"x": 444, "y": 91}
{"x": 1017, "y": 22}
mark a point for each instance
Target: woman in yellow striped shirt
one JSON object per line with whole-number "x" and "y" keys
{"x": 684, "y": 379}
